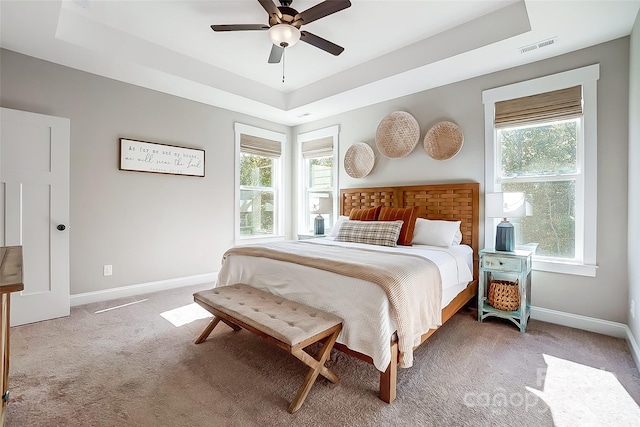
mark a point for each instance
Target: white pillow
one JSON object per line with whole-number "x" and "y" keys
{"x": 437, "y": 233}
{"x": 336, "y": 226}
{"x": 457, "y": 238}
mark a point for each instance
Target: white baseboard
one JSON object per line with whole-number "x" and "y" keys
{"x": 605, "y": 327}
{"x": 633, "y": 346}
{"x": 141, "y": 288}
{"x": 577, "y": 321}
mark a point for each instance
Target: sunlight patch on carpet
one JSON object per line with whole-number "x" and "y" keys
{"x": 183, "y": 315}
{"x": 121, "y": 306}
{"x": 581, "y": 395}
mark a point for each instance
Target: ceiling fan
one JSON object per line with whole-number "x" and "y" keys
{"x": 285, "y": 22}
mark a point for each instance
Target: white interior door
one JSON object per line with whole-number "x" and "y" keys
{"x": 34, "y": 210}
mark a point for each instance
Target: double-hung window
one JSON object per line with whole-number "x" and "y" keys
{"x": 318, "y": 192}
{"x": 259, "y": 182}
{"x": 541, "y": 141}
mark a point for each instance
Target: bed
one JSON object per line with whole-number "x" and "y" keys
{"x": 370, "y": 330}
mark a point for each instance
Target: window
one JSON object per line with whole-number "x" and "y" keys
{"x": 259, "y": 182}
{"x": 541, "y": 140}
{"x": 318, "y": 193}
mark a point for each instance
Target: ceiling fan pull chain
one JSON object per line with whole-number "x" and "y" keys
{"x": 283, "y": 52}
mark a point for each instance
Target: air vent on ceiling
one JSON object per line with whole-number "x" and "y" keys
{"x": 538, "y": 45}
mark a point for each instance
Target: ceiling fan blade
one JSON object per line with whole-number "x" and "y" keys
{"x": 271, "y": 9}
{"x": 321, "y": 10}
{"x": 276, "y": 54}
{"x": 239, "y": 27}
{"x": 321, "y": 43}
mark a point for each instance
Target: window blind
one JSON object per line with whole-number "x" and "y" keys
{"x": 260, "y": 146}
{"x": 549, "y": 106}
{"x": 316, "y": 148}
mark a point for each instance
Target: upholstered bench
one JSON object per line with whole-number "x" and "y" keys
{"x": 289, "y": 325}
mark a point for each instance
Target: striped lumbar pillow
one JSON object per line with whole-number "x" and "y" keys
{"x": 408, "y": 215}
{"x": 365, "y": 214}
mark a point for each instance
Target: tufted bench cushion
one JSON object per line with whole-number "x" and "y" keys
{"x": 290, "y": 325}
{"x": 285, "y": 320}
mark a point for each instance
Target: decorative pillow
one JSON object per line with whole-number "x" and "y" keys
{"x": 435, "y": 233}
{"x": 336, "y": 226}
{"x": 457, "y": 238}
{"x": 365, "y": 214}
{"x": 382, "y": 233}
{"x": 408, "y": 217}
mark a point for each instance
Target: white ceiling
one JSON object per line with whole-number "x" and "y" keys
{"x": 392, "y": 48}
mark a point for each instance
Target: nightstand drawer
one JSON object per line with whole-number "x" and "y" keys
{"x": 496, "y": 262}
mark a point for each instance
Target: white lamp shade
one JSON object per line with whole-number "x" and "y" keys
{"x": 325, "y": 206}
{"x": 284, "y": 35}
{"x": 506, "y": 205}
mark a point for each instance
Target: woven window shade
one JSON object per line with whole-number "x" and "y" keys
{"x": 260, "y": 146}
{"x": 318, "y": 148}
{"x": 557, "y": 105}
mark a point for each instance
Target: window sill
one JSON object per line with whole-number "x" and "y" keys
{"x": 565, "y": 268}
{"x": 249, "y": 240}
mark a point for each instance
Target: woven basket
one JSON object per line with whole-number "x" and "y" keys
{"x": 443, "y": 141}
{"x": 504, "y": 295}
{"x": 359, "y": 160}
{"x": 397, "y": 134}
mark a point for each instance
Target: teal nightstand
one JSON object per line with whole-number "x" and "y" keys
{"x": 510, "y": 266}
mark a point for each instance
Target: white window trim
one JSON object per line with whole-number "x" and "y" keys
{"x": 332, "y": 131}
{"x": 240, "y": 129}
{"x": 587, "y": 77}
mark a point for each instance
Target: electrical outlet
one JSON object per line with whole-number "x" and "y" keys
{"x": 108, "y": 270}
{"x": 632, "y": 309}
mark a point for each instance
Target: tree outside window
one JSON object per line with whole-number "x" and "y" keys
{"x": 256, "y": 195}
{"x": 542, "y": 161}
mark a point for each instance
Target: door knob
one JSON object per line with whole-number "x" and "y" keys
{"x": 61, "y": 227}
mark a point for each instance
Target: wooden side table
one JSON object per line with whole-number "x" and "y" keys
{"x": 513, "y": 265}
{"x": 10, "y": 281}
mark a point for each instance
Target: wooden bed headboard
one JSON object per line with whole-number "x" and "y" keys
{"x": 459, "y": 202}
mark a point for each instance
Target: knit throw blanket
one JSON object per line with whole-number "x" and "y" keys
{"x": 400, "y": 275}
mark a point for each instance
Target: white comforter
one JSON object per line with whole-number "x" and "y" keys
{"x": 368, "y": 325}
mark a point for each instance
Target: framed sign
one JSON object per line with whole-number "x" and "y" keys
{"x": 152, "y": 157}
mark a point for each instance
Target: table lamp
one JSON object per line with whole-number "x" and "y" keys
{"x": 324, "y": 207}
{"x": 505, "y": 205}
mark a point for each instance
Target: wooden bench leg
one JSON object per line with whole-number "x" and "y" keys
{"x": 231, "y": 325}
{"x": 310, "y": 361}
{"x": 317, "y": 366}
{"x": 203, "y": 336}
{"x": 214, "y": 322}
{"x": 389, "y": 378}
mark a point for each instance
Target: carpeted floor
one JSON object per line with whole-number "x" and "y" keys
{"x": 111, "y": 364}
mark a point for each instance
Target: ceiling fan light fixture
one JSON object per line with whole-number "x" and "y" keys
{"x": 284, "y": 35}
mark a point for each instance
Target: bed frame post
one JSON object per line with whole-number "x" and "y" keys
{"x": 389, "y": 377}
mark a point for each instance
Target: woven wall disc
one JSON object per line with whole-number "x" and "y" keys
{"x": 397, "y": 134}
{"x": 359, "y": 160}
{"x": 443, "y": 141}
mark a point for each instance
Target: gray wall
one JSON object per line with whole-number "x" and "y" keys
{"x": 634, "y": 178}
{"x": 148, "y": 226}
{"x": 603, "y": 297}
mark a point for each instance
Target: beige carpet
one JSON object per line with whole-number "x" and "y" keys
{"x": 130, "y": 366}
